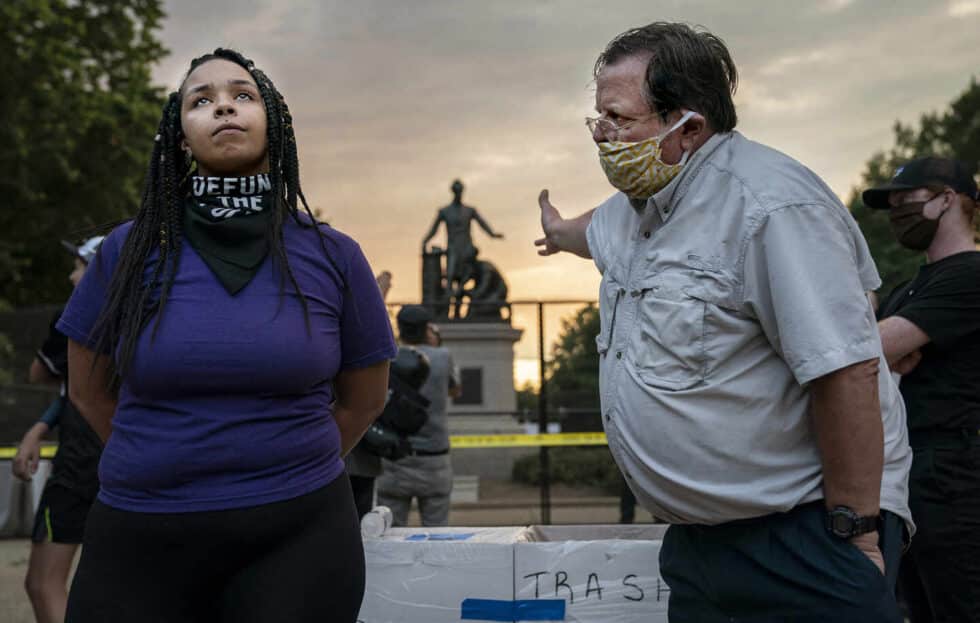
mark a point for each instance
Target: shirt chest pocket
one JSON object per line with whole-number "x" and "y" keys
{"x": 611, "y": 293}
{"x": 672, "y": 342}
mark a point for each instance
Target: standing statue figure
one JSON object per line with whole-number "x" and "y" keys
{"x": 461, "y": 261}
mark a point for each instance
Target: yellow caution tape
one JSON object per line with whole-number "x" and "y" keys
{"x": 455, "y": 441}
{"x": 527, "y": 441}
{"x": 8, "y": 452}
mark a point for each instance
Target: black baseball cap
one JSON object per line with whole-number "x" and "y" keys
{"x": 920, "y": 173}
{"x": 414, "y": 316}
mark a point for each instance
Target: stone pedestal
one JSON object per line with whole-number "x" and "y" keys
{"x": 484, "y": 354}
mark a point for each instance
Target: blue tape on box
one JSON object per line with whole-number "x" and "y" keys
{"x": 513, "y": 611}
{"x": 462, "y": 536}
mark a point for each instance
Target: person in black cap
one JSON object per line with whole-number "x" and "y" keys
{"x": 426, "y": 474}
{"x": 70, "y": 490}
{"x": 930, "y": 331}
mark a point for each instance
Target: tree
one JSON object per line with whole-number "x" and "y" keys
{"x": 79, "y": 115}
{"x": 573, "y": 373}
{"x": 954, "y": 133}
{"x": 573, "y": 386}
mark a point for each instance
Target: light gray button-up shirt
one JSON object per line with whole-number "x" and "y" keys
{"x": 734, "y": 287}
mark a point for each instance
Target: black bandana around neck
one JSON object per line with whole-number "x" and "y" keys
{"x": 227, "y": 221}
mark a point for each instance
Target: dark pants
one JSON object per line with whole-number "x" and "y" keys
{"x": 940, "y": 576}
{"x": 363, "y": 487}
{"x": 627, "y": 503}
{"x": 781, "y": 567}
{"x": 299, "y": 560}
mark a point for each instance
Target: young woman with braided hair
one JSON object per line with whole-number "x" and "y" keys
{"x": 230, "y": 351}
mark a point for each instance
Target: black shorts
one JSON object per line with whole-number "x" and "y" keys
{"x": 60, "y": 516}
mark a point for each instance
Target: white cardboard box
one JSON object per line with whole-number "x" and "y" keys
{"x": 604, "y": 579}
{"x": 594, "y": 574}
{"x": 19, "y": 500}
{"x": 416, "y": 575}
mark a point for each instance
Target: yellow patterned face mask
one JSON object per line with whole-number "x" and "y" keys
{"x": 636, "y": 168}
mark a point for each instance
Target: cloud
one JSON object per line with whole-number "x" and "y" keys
{"x": 833, "y": 6}
{"x": 963, "y": 8}
{"x": 797, "y": 62}
{"x": 391, "y": 101}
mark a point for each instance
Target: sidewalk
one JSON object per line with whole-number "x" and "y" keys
{"x": 14, "y": 606}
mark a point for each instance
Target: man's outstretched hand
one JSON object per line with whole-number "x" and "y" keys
{"x": 551, "y": 222}
{"x": 562, "y": 234}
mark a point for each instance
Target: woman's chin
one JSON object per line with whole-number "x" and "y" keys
{"x": 234, "y": 163}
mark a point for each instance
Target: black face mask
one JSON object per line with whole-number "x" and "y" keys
{"x": 227, "y": 221}
{"x": 912, "y": 229}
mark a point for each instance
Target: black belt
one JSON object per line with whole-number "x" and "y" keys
{"x": 428, "y": 452}
{"x": 944, "y": 437}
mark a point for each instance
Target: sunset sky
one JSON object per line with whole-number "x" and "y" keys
{"x": 393, "y": 100}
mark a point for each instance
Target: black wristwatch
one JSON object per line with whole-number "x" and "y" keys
{"x": 845, "y": 523}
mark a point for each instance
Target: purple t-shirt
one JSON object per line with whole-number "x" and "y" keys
{"x": 229, "y": 405}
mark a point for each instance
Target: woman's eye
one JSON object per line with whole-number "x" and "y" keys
{"x": 201, "y": 100}
{"x": 247, "y": 96}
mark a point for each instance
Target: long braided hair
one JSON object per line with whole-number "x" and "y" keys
{"x": 131, "y": 302}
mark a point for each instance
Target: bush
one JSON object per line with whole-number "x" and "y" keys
{"x": 592, "y": 467}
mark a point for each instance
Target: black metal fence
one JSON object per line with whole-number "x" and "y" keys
{"x": 540, "y": 402}
{"x": 572, "y": 410}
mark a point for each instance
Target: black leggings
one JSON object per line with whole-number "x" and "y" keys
{"x": 298, "y": 560}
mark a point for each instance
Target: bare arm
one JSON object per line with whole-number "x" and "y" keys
{"x": 485, "y": 226}
{"x": 88, "y": 388}
{"x": 562, "y": 234}
{"x": 847, "y": 423}
{"x": 384, "y": 283}
{"x": 900, "y": 338}
{"x": 360, "y": 399}
{"x": 40, "y": 375}
{"x": 455, "y": 383}
{"x": 455, "y": 390}
{"x": 850, "y": 437}
{"x": 432, "y": 230}
{"x": 29, "y": 451}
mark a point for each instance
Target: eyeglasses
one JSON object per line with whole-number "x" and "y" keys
{"x": 607, "y": 127}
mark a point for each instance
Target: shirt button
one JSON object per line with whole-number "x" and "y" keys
{"x": 622, "y": 291}
{"x": 608, "y": 418}
{"x": 646, "y": 234}
{"x": 635, "y": 293}
{"x": 619, "y": 354}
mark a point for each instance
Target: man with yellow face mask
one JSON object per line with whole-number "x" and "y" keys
{"x": 739, "y": 371}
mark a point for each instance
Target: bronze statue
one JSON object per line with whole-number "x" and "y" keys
{"x": 440, "y": 290}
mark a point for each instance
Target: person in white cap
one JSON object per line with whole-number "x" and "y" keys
{"x": 70, "y": 490}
